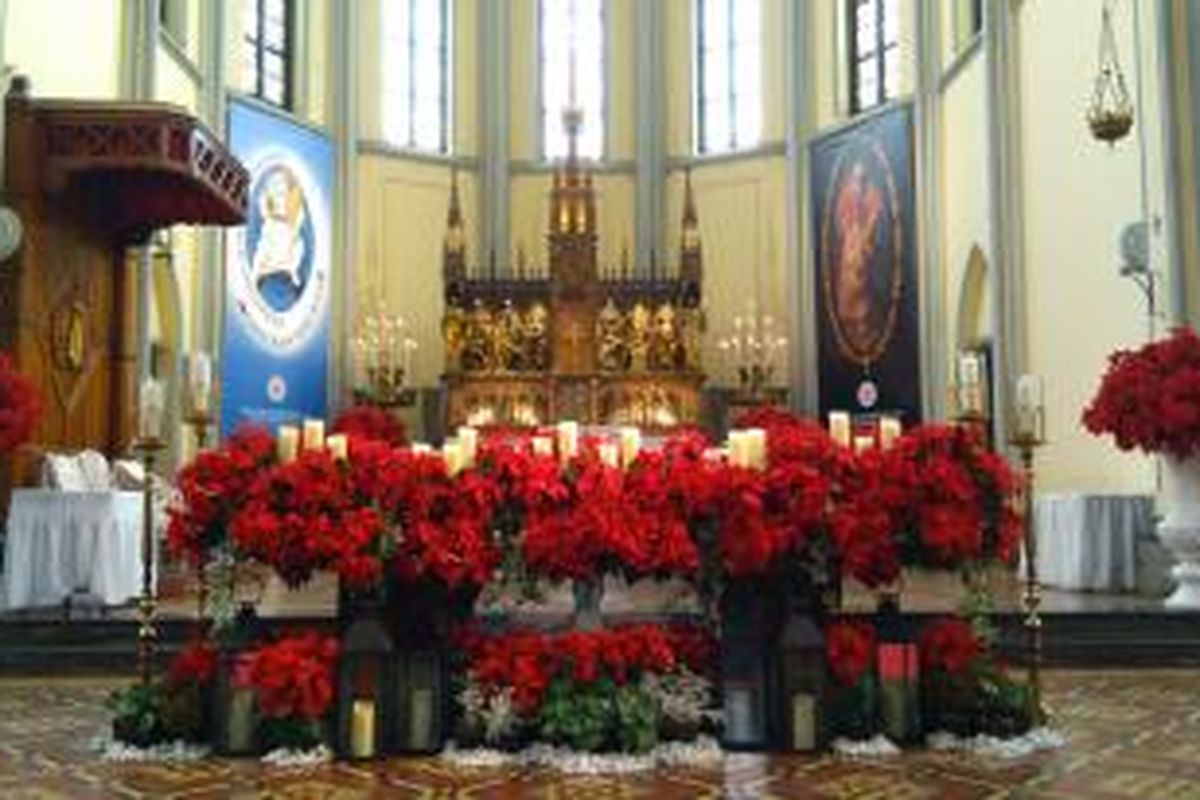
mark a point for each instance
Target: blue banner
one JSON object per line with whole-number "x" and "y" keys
{"x": 275, "y": 354}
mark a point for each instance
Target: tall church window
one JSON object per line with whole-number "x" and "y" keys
{"x": 874, "y": 27}
{"x": 572, "y": 73}
{"x": 267, "y": 47}
{"x": 416, "y": 74}
{"x": 728, "y": 70}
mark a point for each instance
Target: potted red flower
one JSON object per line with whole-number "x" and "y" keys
{"x": 20, "y": 406}
{"x": 853, "y": 701}
{"x": 293, "y": 681}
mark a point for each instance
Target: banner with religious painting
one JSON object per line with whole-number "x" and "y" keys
{"x": 275, "y": 349}
{"x": 864, "y": 234}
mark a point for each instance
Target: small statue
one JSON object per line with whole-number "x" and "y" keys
{"x": 639, "y": 338}
{"x": 509, "y": 335}
{"x": 693, "y": 324}
{"x": 477, "y": 352}
{"x": 664, "y": 340}
{"x": 454, "y": 325}
{"x": 612, "y": 354}
{"x": 534, "y": 341}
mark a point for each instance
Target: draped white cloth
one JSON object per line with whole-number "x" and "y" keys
{"x": 1089, "y": 541}
{"x": 61, "y": 542}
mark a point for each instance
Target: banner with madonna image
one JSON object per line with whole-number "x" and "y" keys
{"x": 864, "y": 235}
{"x": 275, "y": 350}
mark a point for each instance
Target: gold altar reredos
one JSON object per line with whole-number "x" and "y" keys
{"x": 602, "y": 347}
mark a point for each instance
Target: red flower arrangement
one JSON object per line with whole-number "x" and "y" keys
{"x": 949, "y": 645}
{"x": 849, "y": 650}
{"x": 528, "y": 661}
{"x": 212, "y": 488}
{"x": 1149, "y": 399}
{"x": 20, "y": 406}
{"x": 371, "y": 423}
{"x": 293, "y": 678}
{"x": 195, "y": 664}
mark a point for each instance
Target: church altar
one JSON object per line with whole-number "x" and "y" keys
{"x": 573, "y": 340}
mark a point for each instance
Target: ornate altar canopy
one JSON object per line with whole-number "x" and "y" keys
{"x": 573, "y": 341}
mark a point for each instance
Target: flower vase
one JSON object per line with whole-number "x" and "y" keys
{"x": 588, "y": 594}
{"x": 1179, "y": 527}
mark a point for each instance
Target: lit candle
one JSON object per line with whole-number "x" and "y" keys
{"x": 287, "y": 445}
{"x": 339, "y": 446}
{"x": 200, "y": 381}
{"x": 631, "y": 444}
{"x": 756, "y": 448}
{"x": 543, "y": 446}
{"x": 863, "y": 444}
{"x": 568, "y": 440}
{"x": 970, "y": 392}
{"x": 804, "y": 722}
{"x": 452, "y": 454}
{"x": 468, "y": 437}
{"x": 1030, "y": 399}
{"x": 738, "y": 454}
{"x": 241, "y": 721}
{"x": 889, "y": 431}
{"x": 314, "y": 434}
{"x": 362, "y": 729}
{"x": 610, "y": 455}
{"x": 420, "y": 719}
{"x": 422, "y": 449}
{"x": 839, "y": 427}
{"x": 151, "y": 402}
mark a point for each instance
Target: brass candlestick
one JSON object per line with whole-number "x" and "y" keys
{"x": 148, "y": 448}
{"x": 200, "y": 422}
{"x": 1026, "y": 438}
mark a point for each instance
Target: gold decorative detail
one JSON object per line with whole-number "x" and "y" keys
{"x": 69, "y": 338}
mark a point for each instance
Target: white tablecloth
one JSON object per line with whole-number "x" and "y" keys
{"x": 1088, "y": 541}
{"x": 61, "y": 542}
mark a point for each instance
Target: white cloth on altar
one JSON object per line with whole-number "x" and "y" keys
{"x": 62, "y": 542}
{"x": 1089, "y": 541}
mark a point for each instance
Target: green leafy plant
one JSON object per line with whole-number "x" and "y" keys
{"x": 637, "y": 719}
{"x": 579, "y": 716}
{"x": 138, "y": 715}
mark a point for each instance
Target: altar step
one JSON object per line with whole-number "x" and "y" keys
{"x": 1112, "y": 639}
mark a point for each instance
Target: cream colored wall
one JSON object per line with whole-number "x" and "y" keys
{"x": 68, "y": 48}
{"x": 1078, "y": 194}
{"x": 315, "y": 19}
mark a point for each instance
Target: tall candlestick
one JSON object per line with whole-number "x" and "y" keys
{"x": 150, "y": 411}
{"x": 287, "y": 444}
{"x": 314, "y": 434}
{"x": 1030, "y": 405}
{"x": 839, "y": 427}
{"x": 200, "y": 381}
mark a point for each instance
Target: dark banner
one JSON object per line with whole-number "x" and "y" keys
{"x": 864, "y": 232}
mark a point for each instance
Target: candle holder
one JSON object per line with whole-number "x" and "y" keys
{"x": 148, "y": 449}
{"x": 200, "y": 422}
{"x": 1027, "y": 436}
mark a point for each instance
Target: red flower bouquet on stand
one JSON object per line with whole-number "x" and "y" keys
{"x": 20, "y": 406}
{"x": 293, "y": 681}
{"x": 850, "y": 654}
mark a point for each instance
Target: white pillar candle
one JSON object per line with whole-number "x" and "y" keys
{"x": 568, "y": 439}
{"x": 314, "y": 434}
{"x": 1030, "y": 400}
{"x": 739, "y": 449}
{"x": 421, "y": 449}
{"x": 889, "y": 431}
{"x": 804, "y": 722}
{"x": 468, "y": 437}
{"x": 863, "y": 443}
{"x": 756, "y": 446}
{"x": 631, "y": 444}
{"x": 839, "y": 427}
{"x": 543, "y": 446}
{"x": 610, "y": 455}
{"x": 970, "y": 390}
{"x": 287, "y": 444}
{"x": 200, "y": 381}
{"x": 452, "y": 454}
{"x": 150, "y": 409}
{"x": 339, "y": 446}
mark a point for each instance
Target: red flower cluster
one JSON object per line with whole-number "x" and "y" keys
{"x": 196, "y": 663}
{"x": 306, "y": 516}
{"x": 849, "y": 650}
{"x": 950, "y": 499}
{"x": 529, "y": 661}
{"x": 212, "y": 488}
{"x": 949, "y": 645}
{"x": 371, "y": 423}
{"x": 1150, "y": 398}
{"x": 20, "y": 406}
{"x": 293, "y": 677}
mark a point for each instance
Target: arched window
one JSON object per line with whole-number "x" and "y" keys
{"x": 572, "y": 73}
{"x": 728, "y": 70}
{"x": 267, "y": 45}
{"x": 874, "y": 27}
{"x": 416, "y": 74}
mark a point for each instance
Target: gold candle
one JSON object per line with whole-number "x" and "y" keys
{"x": 362, "y": 729}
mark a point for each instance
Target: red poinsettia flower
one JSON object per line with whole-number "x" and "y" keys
{"x": 20, "y": 406}
{"x": 949, "y": 645}
{"x": 196, "y": 663}
{"x": 292, "y": 677}
{"x": 370, "y": 423}
{"x": 849, "y": 650}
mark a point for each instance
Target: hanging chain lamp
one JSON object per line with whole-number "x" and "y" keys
{"x": 1110, "y": 114}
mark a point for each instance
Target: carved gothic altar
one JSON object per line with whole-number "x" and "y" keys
{"x": 573, "y": 342}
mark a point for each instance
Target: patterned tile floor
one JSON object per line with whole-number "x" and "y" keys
{"x": 1133, "y": 735}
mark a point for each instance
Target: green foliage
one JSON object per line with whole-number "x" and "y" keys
{"x": 144, "y": 716}
{"x": 853, "y": 711}
{"x": 593, "y": 717}
{"x": 637, "y": 720}
{"x": 292, "y": 733}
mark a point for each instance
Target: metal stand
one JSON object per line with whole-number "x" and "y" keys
{"x": 148, "y": 449}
